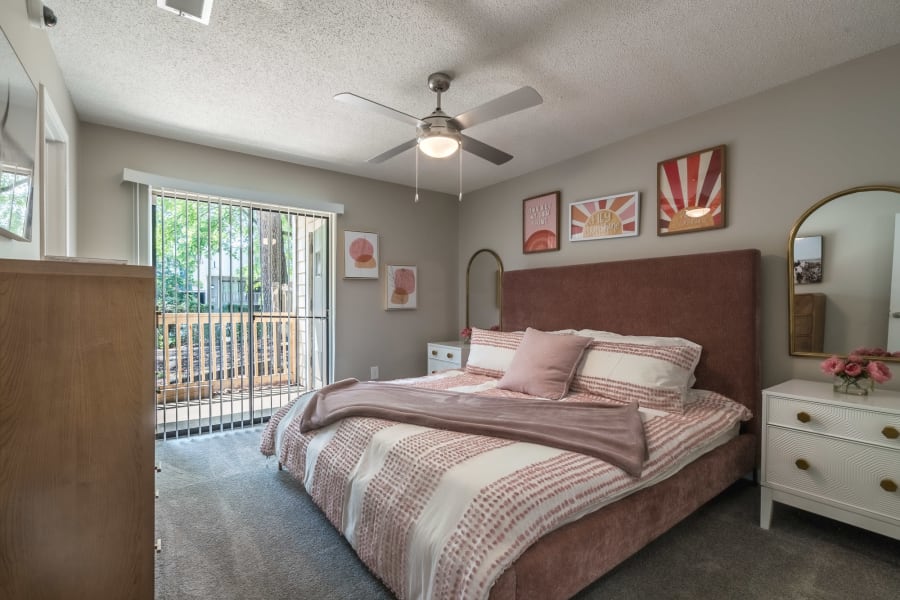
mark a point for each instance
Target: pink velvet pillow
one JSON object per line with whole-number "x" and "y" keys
{"x": 544, "y": 364}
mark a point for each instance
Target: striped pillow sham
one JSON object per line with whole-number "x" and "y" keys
{"x": 654, "y": 371}
{"x": 491, "y": 352}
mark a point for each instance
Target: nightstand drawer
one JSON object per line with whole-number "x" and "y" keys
{"x": 838, "y": 471}
{"x": 851, "y": 423}
{"x": 446, "y": 355}
{"x": 435, "y": 366}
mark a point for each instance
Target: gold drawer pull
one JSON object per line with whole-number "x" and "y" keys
{"x": 888, "y": 485}
{"x": 801, "y": 464}
{"x": 890, "y": 433}
{"x": 434, "y": 352}
{"x": 803, "y": 417}
{"x": 449, "y": 355}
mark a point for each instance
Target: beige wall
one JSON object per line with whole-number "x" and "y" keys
{"x": 422, "y": 234}
{"x": 34, "y": 51}
{"x": 786, "y": 149}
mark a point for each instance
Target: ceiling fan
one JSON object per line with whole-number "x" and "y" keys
{"x": 439, "y": 135}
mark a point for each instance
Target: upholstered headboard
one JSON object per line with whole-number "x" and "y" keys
{"x": 711, "y": 299}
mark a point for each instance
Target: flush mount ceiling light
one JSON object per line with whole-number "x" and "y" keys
{"x": 195, "y": 10}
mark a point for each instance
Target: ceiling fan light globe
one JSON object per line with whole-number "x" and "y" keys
{"x": 438, "y": 146}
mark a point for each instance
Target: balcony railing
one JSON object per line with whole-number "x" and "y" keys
{"x": 208, "y": 353}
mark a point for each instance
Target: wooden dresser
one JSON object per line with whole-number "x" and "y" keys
{"x": 809, "y": 322}
{"x": 76, "y": 431}
{"x": 833, "y": 454}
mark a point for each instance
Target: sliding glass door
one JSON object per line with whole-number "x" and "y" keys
{"x": 242, "y": 301}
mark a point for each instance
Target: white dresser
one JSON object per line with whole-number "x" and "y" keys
{"x": 833, "y": 454}
{"x": 446, "y": 355}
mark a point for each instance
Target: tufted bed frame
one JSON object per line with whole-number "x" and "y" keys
{"x": 711, "y": 299}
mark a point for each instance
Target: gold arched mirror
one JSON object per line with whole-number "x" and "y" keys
{"x": 484, "y": 275}
{"x": 844, "y": 274}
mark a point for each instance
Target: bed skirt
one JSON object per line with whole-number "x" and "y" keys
{"x": 570, "y": 558}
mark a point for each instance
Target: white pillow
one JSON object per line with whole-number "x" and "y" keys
{"x": 648, "y": 339}
{"x": 491, "y": 352}
{"x": 654, "y": 371}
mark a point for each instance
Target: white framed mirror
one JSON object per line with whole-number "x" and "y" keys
{"x": 18, "y": 127}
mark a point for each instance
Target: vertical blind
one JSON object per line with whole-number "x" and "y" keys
{"x": 242, "y": 303}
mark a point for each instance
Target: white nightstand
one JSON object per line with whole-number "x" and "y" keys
{"x": 832, "y": 454}
{"x": 446, "y": 355}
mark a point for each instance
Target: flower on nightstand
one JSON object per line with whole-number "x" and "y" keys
{"x": 857, "y": 372}
{"x": 466, "y": 333}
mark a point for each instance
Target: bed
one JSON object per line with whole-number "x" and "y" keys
{"x": 710, "y": 299}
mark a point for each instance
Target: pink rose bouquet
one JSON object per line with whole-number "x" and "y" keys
{"x": 857, "y": 373}
{"x": 466, "y": 332}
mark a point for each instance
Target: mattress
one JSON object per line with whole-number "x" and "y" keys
{"x": 440, "y": 514}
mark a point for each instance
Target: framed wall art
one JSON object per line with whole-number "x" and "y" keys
{"x": 604, "y": 218}
{"x": 691, "y": 192}
{"x": 360, "y": 255}
{"x": 540, "y": 223}
{"x": 808, "y": 259}
{"x": 401, "y": 283}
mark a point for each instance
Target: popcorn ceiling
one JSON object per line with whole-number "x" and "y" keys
{"x": 261, "y": 76}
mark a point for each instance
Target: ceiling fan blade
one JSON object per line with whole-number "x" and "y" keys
{"x": 489, "y": 153}
{"x": 365, "y": 103}
{"x": 522, "y": 98}
{"x": 393, "y": 151}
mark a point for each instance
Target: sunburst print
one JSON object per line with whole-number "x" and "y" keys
{"x": 604, "y": 218}
{"x": 691, "y": 194}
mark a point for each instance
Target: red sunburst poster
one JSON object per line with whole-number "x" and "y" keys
{"x": 691, "y": 192}
{"x": 603, "y": 218}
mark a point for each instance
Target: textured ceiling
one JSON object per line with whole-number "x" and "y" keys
{"x": 261, "y": 77}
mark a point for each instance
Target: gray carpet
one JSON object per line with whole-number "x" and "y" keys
{"x": 234, "y": 527}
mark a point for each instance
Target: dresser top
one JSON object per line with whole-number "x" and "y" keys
{"x": 879, "y": 399}
{"x": 453, "y": 343}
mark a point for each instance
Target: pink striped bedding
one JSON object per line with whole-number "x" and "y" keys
{"x": 441, "y": 514}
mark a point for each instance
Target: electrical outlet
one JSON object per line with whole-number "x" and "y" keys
{"x": 373, "y": 372}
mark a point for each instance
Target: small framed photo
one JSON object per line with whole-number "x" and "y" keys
{"x": 691, "y": 192}
{"x": 604, "y": 218}
{"x": 360, "y": 255}
{"x": 401, "y": 284}
{"x": 808, "y": 259}
{"x": 540, "y": 223}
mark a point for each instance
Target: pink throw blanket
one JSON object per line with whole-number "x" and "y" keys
{"x": 614, "y": 433}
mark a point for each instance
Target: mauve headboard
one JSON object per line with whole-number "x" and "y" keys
{"x": 711, "y": 299}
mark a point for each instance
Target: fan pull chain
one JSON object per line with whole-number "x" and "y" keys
{"x": 416, "y": 199}
{"x": 460, "y": 171}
